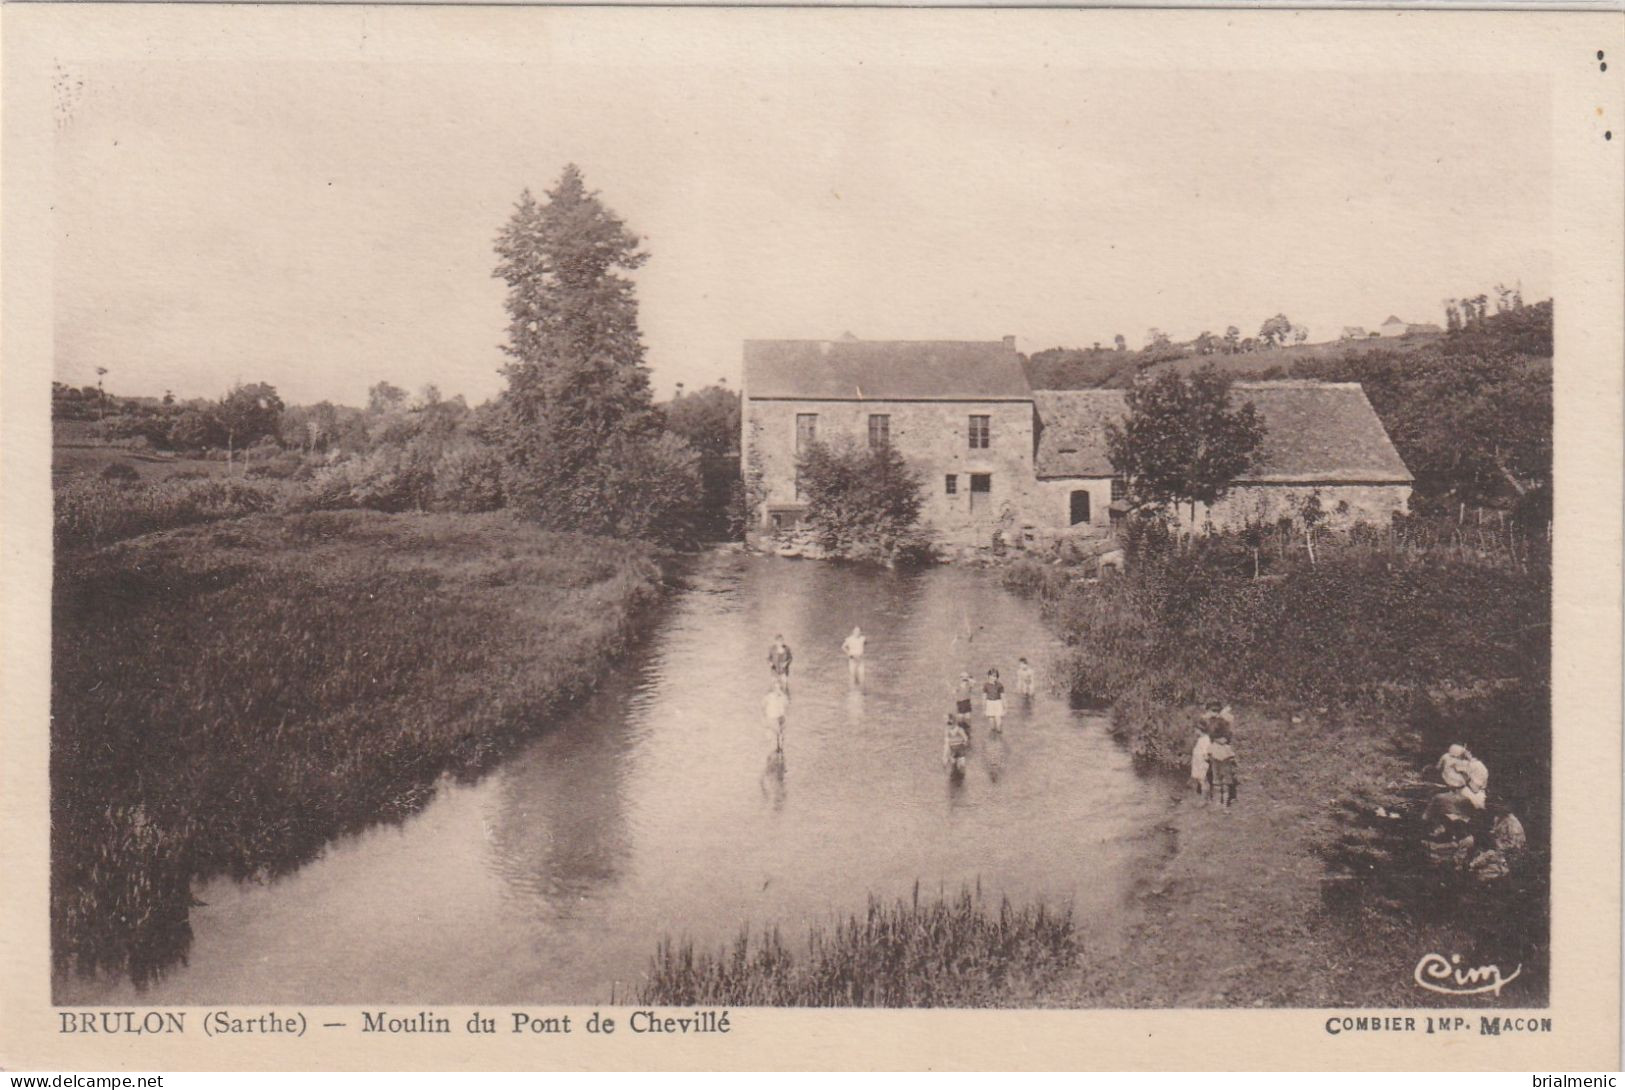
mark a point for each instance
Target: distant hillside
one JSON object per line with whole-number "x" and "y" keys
{"x": 1524, "y": 332}
{"x": 1086, "y": 368}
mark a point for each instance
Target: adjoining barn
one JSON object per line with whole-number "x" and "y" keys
{"x": 1321, "y": 438}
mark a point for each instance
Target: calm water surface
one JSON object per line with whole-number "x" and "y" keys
{"x": 652, "y": 809}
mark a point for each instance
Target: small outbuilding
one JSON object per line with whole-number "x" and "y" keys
{"x": 1321, "y": 439}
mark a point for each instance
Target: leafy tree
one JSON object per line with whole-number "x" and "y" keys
{"x": 1300, "y": 334}
{"x": 1275, "y": 330}
{"x": 1156, "y": 338}
{"x": 1452, "y": 316}
{"x": 1206, "y": 343}
{"x": 1182, "y": 441}
{"x": 707, "y": 419}
{"x": 1470, "y": 415}
{"x": 1121, "y": 342}
{"x": 248, "y": 413}
{"x": 578, "y": 394}
{"x": 1232, "y": 339}
{"x": 195, "y": 430}
{"x": 385, "y": 397}
{"x": 310, "y": 427}
{"x": 863, "y": 502}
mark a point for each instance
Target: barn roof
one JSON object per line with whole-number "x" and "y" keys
{"x": 854, "y": 370}
{"x": 1314, "y": 432}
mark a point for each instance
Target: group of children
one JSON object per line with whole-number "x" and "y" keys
{"x": 956, "y": 743}
{"x": 956, "y": 736}
{"x": 1213, "y": 759}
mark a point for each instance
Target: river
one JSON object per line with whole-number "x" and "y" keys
{"x": 652, "y": 809}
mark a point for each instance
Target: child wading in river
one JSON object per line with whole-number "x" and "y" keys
{"x": 778, "y": 660}
{"x": 1222, "y": 762}
{"x": 962, "y": 699}
{"x": 1026, "y": 682}
{"x": 955, "y": 745}
{"x": 993, "y": 700}
{"x": 774, "y": 708}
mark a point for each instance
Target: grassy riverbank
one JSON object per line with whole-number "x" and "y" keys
{"x": 1349, "y": 675}
{"x": 228, "y": 697}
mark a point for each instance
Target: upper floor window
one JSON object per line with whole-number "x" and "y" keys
{"x": 806, "y": 431}
{"x": 980, "y": 432}
{"x": 879, "y": 430}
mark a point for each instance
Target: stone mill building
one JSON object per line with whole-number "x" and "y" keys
{"x": 995, "y": 455}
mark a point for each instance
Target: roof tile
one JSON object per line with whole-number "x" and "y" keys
{"x": 1314, "y": 432}
{"x": 848, "y": 370}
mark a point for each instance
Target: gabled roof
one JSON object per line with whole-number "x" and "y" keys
{"x": 1315, "y": 432}
{"x": 854, "y": 370}
{"x": 1394, "y": 320}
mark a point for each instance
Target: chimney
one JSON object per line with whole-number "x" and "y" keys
{"x": 1010, "y": 341}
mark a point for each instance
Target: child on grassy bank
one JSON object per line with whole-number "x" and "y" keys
{"x": 1201, "y": 754}
{"x": 1222, "y": 765}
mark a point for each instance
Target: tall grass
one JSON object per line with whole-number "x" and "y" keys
{"x": 942, "y": 952}
{"x": 92, "y": 511}
{"x": 227, "y": 698}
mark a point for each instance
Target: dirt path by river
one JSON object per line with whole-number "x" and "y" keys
{"x": 1234, "y": 915}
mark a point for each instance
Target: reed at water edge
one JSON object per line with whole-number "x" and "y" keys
{"x": 944, "y": 951}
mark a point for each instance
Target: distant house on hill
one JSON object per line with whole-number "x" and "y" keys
{"x": 996, "y": 455}
{"x": 1354, "y": 333}
{"x": 1397, "y": 327}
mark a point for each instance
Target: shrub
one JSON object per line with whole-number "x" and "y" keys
{"x": 120, "y": 472}
{"x": 863, "y": 503}
{"x": 468, "y": 479}
{"x": 281, "y": 466}
{"x": 638, "y": 485}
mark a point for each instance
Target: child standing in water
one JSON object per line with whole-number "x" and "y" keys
{"x": 955, "y": 745}
{"x": 1026, "y": 683}
{"x": 1222, "y": 760}
{"x": 993, "y": 700}
{"x": 962, "y": 699}
{"x": 853, "y": 646}
{"x": 778, "y": 660}
{"x": 774, "y": 707}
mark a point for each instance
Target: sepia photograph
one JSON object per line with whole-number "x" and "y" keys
{"x": 780, "y": 510}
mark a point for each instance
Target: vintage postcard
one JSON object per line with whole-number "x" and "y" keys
{"x": 783, "y": 537}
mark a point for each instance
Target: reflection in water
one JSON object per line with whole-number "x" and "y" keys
{"x": 773, "y": 780}
{"x": 559, "y": 828}
{"x": 658, "y": 807}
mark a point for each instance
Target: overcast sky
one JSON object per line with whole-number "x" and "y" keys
{"x": 321, "y": 226}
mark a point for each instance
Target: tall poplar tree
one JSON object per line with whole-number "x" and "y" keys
{"x": 579, "y": 412}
